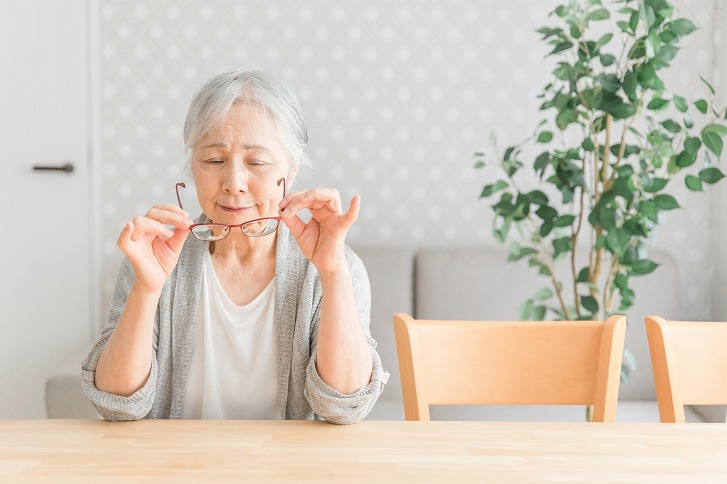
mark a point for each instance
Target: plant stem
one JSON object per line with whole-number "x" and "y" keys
{"x": 558, "y": 292}
{"x": 607, "y": 294}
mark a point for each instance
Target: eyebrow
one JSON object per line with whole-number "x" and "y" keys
{"x": 224, "y": 145}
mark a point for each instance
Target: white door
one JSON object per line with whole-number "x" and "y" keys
{"x": 44, "y": 240}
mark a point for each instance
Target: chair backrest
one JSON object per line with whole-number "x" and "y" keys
{"x": 509, "y": 363}
{"x": 689, "y": 362}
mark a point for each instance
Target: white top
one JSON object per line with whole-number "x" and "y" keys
{"x": 232, "y": 372}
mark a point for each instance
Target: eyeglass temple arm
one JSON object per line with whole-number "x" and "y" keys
{"x": 179, "y": 200}
{"x": 282, "y": 180}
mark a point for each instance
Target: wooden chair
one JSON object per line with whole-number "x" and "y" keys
{"x": 510, "y": 363}
{"x": 690, "y": 364}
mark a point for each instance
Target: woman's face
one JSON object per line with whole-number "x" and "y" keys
{"x": 236, "y": 167}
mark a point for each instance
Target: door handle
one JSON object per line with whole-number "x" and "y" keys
{"x": 68, "y": 167}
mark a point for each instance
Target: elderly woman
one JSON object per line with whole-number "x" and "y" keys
{"x": 236, "y": 315}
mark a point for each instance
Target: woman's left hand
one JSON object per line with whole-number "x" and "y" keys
{"x": 322, "y": 239}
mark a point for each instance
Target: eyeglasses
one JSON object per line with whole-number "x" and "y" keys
{"x": 252, "y": 228}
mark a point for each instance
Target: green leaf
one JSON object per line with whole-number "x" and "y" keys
{"x": 560, "y": 47}
{"x": 685, "y": 159}
{"x": 600, "y": 14}
{"x": 541, "y": 161}
{"x": 646, "y": 75}
{"x": 702, "y": 106}
{"x": 546, "y": 228}
{"x": 656, "y": 185}
{"x": 716, "y": 128}
{"x": 537, "y": 197}
{"x": 711, "y": 175}
{"x": 666, "y": 54}
{"x": 657, "y": 104}
{"x": 621, "y": 281}
{"x": 634, "y": 21}
{"x": 566, "y": 117}
{"x": 526, "y": 310}
{"x": 648, "y": 208}
{"x": 630, "y": 82}
{"x": 652, "y": 44}
{"x": 666, "y": 202}
{"x": 682, "y": 27}
{"x": 583, "y": 275}
{"x": 713, "y": 142}
{"x": 680, "y": 103}
{"x": 671, "y": 125}
{"x": 688, "y": 123}
{"x": 623, "y": 111}
{"x": 607, "y": 60}
{"x": 538, "y": 313}
{"x": 479, "y": 164}
{"x": 692, "y": 145}
{"x": 548, "y": 214}
{"x": 561, "y": 245}
{"x": 605, "y": 39}
{"x": 493, "y": 188}
{"x": 609, "y": 82}
{"x": 565, "y": 220}
{"x": 545, "y": 137}
{"x": 516, "y": 252}
{"x": 694, "y": 183}
{"x": 543, "y": 294}
{"x": 616, "y": 241}
{"x": 589, "y": 303}
{"x": 643, "y": 267}
{"x": 709, "y": 86}
{"x": 624, "y": 26}
{"x": 646, "y": 12}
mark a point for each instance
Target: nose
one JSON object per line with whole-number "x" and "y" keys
{"x": 235, "y": 178}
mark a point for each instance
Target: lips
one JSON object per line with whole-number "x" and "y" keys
{"x": 232, "y": 209}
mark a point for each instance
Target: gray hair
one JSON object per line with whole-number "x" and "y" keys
{"x": 212, "y": 102}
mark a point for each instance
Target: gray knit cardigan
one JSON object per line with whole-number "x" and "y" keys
{"x": 302, "y": 395}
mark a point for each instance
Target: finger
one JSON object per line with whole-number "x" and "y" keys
{"x": 169, "y": 217}
{"x": 311, "y": 199}
{"x": 352, "y": 215}
{"x": 125, "y": 237}
{"x": 171, "y": 208}
{"x": 176, "y": 241}
{"x": 295, "y": 225}
{"x": 145, "y": 227}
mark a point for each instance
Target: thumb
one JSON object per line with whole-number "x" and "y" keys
{"x": 352, "y": 215}
{"x": 176, "y": 241}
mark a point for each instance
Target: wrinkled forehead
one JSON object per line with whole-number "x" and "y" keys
{"x": 245, "y": 122}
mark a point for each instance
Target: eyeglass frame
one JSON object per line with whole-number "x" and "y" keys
{"x": 230, "y": 227}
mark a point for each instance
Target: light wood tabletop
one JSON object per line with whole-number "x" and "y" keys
{"x": 203, "y": 451}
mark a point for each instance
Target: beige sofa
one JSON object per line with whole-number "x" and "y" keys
{"x": 467, "y": 283}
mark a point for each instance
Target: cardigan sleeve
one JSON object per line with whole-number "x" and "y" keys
{"x": 110, "y": 406}
{"x": 326, "y": 402}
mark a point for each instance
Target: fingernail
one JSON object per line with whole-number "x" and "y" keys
{"x": 286, "y": 212}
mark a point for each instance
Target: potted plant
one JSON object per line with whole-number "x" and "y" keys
{"x": 613, "y": 143}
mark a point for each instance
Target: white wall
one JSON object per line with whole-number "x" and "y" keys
{"x": 398, "y": 94}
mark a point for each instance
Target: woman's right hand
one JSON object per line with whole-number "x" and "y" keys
{"x": 151, "y": 247}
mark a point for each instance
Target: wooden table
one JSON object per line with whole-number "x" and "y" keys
{"x": 203, "y": 451}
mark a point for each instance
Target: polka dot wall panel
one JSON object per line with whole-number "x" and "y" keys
{"x": 398, "y": 94}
